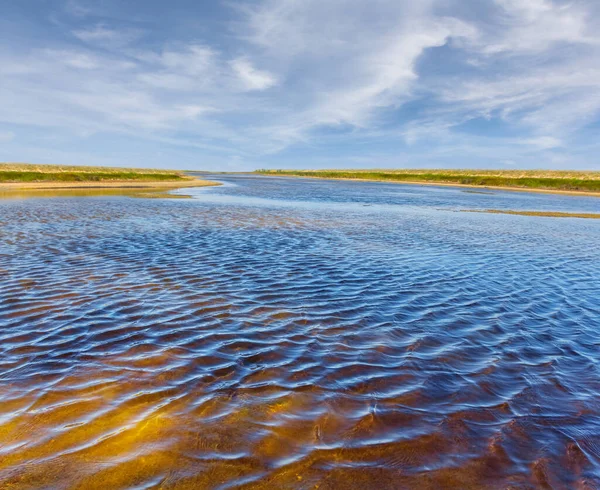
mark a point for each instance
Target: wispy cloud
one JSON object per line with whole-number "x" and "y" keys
{"x": 6, "y": 136}
{"x": 252, "y": 78}
{"x": 103, "y": 36}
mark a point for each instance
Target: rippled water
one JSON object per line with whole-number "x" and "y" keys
{"x": 283, "y": 333}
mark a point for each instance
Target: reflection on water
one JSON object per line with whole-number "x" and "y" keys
{"x": 299, "y": 334}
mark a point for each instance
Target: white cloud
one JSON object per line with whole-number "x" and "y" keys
{"x": 251, "y": 78}
{"x": 533, "y": 25}
{"x": 346, "y": 61}
{"x": 544, "y": 142}
{"x": 536, "y": 67}
{"x": 104, "y": 36}
{"x": 192, "y": 60}
{"x": 188, "y": 68}
{"x": 6, "y": 136}
{"x": 76, "y": 9}
{"x": 74, "y": 59}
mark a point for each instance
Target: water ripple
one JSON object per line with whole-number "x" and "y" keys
{"x": 281, "y": 334}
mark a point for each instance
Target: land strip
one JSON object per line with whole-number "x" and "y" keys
{"x": 569, "y": 182}
{"x": 20, "y": 176}
{"x": 547, "y": 214}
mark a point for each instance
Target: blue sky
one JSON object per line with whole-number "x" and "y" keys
{"x": 239, "y": 85}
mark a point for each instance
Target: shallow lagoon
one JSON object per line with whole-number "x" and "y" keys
{"x": 296, "y": 333}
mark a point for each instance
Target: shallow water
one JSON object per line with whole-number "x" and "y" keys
{"x": 294, "y": 333}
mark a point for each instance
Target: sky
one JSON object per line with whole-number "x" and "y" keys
{"x": 237, "y": 85}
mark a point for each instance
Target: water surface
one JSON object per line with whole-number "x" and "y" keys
{"x": 297, "y": 333}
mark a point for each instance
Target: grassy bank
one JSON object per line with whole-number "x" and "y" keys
{"x": 19, "y": 180}
{"x": 512, "y": 179}
{"x": 28, "y": 173}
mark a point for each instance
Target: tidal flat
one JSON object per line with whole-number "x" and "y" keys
{"x": 299, "y": 333}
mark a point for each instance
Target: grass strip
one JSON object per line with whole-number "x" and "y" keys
{"x": 21, "y": 176}
{"x": 547, "y": 180}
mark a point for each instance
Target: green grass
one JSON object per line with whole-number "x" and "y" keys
{"x": 525, "y": 179}
{"x": 26, "y": 173}
{"x": 11, "y": 176}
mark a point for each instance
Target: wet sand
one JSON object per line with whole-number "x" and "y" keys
{"x": 144, "y": 189}
{"x": 544, "y": 214}
{"x": 123, "y": 184}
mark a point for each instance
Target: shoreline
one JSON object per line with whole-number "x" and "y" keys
{"x": 128, "y": 188}
{"x": 113, "y": 184}
{"x": 446, "y": 184}
{"x": 539, "y": 214}
{"x": 42, "y": 177}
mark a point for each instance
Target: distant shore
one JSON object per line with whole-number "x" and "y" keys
{"x": 18, "y": 176}
{"x": 553, "y": 182}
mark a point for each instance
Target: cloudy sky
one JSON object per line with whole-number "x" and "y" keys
{"x": 239, "y": 85}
